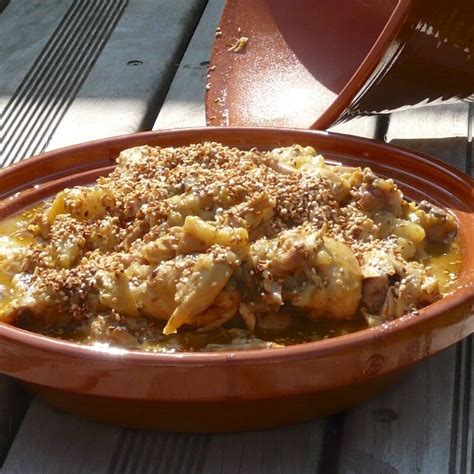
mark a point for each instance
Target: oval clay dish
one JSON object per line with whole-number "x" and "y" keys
{"x": 252, "y": 389}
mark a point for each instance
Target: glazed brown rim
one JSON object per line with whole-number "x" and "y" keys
{"x": 303, "y": 351}
{"x": 367, "y": 67}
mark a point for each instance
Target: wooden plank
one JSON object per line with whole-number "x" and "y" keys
{"x": 462, "y": 430}
{"x": 54, "y": 442}
{"x": 53, "y": 81}
{"x": 406, "y": 429}
{"x": 127, "y": 84}
{"x": 440, "y": 131}
{"x": 14, "y": 402}
{"x": 360, "y": 126}
{"x": 184, "y": 103}
{"x": 295, "y": 449}
{"x": 420, "y": 425}
{"x": 19, "y": 51}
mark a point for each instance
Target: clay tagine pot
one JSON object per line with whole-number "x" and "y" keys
{"x": 313, "y": 63}
{"x": 238, "y": 390}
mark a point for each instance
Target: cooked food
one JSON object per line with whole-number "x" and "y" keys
{"x": 206, "y": 247}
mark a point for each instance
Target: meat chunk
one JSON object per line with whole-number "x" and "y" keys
{"x": 374, "y": 292}
{"x": 197, "y": 291}
{"x": 440, "y": 226}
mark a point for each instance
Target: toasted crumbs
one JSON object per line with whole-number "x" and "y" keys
{"x": 239, "y": 45}
{"x": 116, "y": 259}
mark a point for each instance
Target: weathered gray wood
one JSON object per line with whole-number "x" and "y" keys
{"x": 184, "y": 104}
{"x": 406, "y": 430}
{"x": 462, "y": 441}
{"x": 127, "y": 85}
{"x": 295, "y": 449}
{"x": 19, "y": 51}
{"x": 54, "y": 442}
{"x": 440, "y": 131}
{"x": 14, "y": 402}
{"x": 360, "y": 126}
{"x": 53, "y": 81}
{"x": 419, "y": 426}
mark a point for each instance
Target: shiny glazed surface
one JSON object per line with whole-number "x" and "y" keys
{"x": 326, "y": 67}
{"x": 315, "y": 368}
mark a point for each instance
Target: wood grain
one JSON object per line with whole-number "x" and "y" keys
{"x": 19, "y": 51}
{"x": 130, "y": 80}
{"x": 440, "y": 131}
{"x": 53, "y": 442}
{"x": 184, "y": 103}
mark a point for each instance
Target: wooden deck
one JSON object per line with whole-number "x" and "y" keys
{"x": 72, "y": 71}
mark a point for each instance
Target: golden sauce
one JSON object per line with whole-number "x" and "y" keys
{"x": 445, "y": 260}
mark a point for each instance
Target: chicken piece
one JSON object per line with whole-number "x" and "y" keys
{"x": 209, "y": 234}
{"x": 377, "y": 194}
{"x": 377, "y": 263}
{"x": 156, "y": 292}
{"x": 115, "y": 293}
{"x": 291, "y": 251}
{"x": 374, "y": 292}
{"x": 66, "y": 248}
{"x": 405, "y": 229}
{"x": 189, "y": 204}
{"x": 340, "y": 187}
{"x": 163, "y": 248}
{"x": 12, "y": 254}
{"x": 82, "y": 203}
{"x": 197, "y": 291}
{"x": 248, "y": 316}
{"x": 330, "y": 285}
{"x": 297, "y": 156}
{"x": 377, "y": 267}
{"x": 254, "y": 215}
{"x": 342, "y": 282}
{"x": 440, "y": 226}
{"x": 417, "y": 287}
{"x": 223, "y": 309}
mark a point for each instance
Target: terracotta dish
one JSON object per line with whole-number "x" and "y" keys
{"x": 318, "y": 62}
{"x": 238, "y": 390}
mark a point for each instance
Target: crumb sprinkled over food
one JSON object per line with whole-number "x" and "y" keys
{"x": 206, "y": 237}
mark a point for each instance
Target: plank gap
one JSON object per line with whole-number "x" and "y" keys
{"x": 381, "y": 127}
{"x": 332, "y": 443}
{"x": 453, "y": 458}
{"x": 3, "y": 5}
{"x": 15, "y": 401}
{"x": 152, "y": 113}
{"x": 466, "y": 415}
{"x": 49, "y": 87}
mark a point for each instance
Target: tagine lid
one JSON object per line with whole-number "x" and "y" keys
{"x": 295, "y": 65}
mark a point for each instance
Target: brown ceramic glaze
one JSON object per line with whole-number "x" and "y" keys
{"x": 311, "y": 63}
{"x": 255, "y": 388}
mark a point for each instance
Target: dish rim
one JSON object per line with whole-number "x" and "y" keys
{"x": 461, "y": 295}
